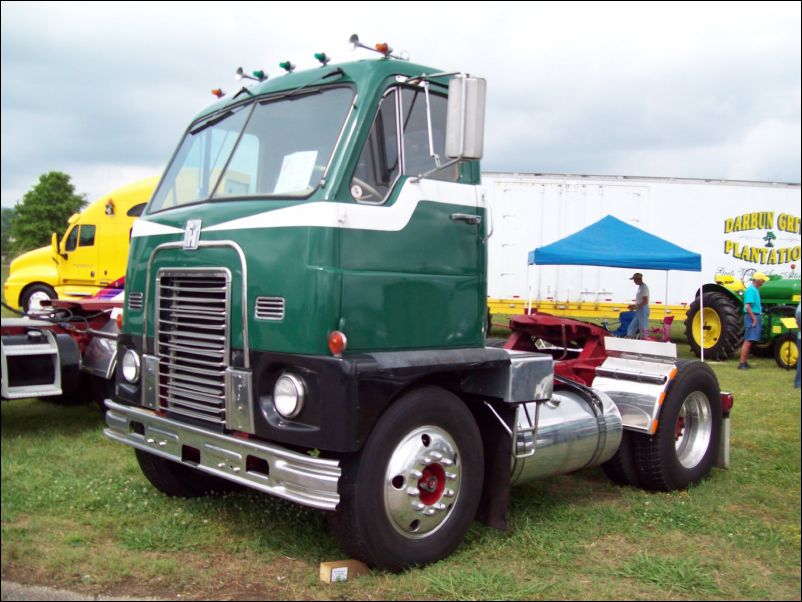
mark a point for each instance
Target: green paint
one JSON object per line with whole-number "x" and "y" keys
{"x": 423, "y": 286}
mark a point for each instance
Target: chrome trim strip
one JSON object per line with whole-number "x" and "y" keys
{"x": 239, "y": 400}
{"x": 633, "y": 375}
{"x": 135, "y": 301}
{"x": 150, "y": 381}
{"x": 269, "y": 308}
{"x": 293, "y": 476}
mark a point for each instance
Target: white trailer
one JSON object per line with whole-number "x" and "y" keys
{"x": 738, "y": 227}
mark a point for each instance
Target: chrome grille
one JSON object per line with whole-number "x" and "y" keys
{"x": 270, "y": 308}
{"x": 192, "y": 342}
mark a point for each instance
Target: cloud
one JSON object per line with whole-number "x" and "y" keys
{"x": 680, "y": 89}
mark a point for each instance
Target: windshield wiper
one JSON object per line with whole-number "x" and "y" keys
{"x": 295, "y": 92}
{"x": 211, "y": 122}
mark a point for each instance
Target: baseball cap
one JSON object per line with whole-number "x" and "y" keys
{"x": 760, "y": 276}
{"x": 636, "y": 275}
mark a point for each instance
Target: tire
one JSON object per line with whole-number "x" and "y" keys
{"x": 786, "y": 351}
{"x": 410, "y": 496}
{"x": 621, "y": 468}
{"x": 73, "y": 381}
{"x": 724, "y": 329}
{"x": 684, "y": 448}
{"x": 101, "y": 389}
{"x": 36, "y": 292}
{"x": 177, "y": 480}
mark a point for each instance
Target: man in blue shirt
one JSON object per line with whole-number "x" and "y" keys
{"x": 752, "y": 319}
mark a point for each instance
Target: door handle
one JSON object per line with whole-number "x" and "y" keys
{"x": 468, "y": 218}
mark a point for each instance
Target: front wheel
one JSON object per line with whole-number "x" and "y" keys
{"x": 178, "y": 480}
{"x": 32, "y": 298}
{"x": 683, "y": 450}
{"x": 786, "y": 351}
{"x": 412, "y": 493}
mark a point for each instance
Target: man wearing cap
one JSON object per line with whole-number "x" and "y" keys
{"x": 640, "y": 322}
{"x": 752, "y": 320}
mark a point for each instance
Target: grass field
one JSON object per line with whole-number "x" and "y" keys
{"x": 77, "y": 513}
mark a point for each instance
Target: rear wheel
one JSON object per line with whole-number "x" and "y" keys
{"x": 683, "y": 450}
{"x": 411, "y": 495}
{"x": 786, "y": 351}
{"x": 723, "y": 326}
{"x": 621, "y": 468}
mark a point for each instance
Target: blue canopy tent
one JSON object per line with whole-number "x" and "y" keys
{"x": 613, "y": 243}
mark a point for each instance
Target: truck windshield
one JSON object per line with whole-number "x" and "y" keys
{"x": 277, "y": 147}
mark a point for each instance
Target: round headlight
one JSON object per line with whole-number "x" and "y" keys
{"x": 130, "y": 366}
{"x": 288, "y": 395}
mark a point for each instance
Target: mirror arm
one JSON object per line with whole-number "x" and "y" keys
{"x": 419, "y": 177}
{"x": 432, "y": 154}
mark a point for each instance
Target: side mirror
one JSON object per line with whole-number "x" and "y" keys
{"x": 56, "y": 247}
{"x": 465, "y": 123}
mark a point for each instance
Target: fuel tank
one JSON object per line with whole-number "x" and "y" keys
{"x": 577, "y": 428}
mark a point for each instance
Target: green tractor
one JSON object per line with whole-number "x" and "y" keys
{"x": 723, "y": 320}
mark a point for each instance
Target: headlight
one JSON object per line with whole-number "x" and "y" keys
{"x": 131, "y": 366}
{"x": 288, "y": 395}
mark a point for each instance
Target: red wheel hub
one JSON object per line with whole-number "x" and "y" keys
{"x": 679, "y": 427}
{"x": 432, "y": 484}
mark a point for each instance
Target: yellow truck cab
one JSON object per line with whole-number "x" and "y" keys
{"x": 91, "y": 255}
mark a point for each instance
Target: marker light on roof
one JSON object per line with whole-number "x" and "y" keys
{"x": 218, "y": 92}
{"x": 259, "y": 75}
{"x": 323, "y": 58}
{"x": 382, "y": 48}
{"x": 287, "y": 66}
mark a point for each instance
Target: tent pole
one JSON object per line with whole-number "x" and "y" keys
{"x": 528, "y": 306}
{"x": 702, "y": 323}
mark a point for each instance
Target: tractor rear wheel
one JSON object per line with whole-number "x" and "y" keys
{"x": 723, "y": 326}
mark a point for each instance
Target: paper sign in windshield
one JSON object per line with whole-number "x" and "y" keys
{"x": 296, "y": 171}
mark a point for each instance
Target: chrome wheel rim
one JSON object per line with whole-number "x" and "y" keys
{"x": 35, "y": 300}
{"x": 693, "y": 429}
{"x": 422, "y": 482}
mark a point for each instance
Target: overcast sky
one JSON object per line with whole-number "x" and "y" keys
{"x": 104, "y": 90}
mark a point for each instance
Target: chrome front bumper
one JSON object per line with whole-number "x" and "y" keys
{"x": 296, "y": 477}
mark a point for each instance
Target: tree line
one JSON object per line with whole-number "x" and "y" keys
{"x": 44, "y": 209}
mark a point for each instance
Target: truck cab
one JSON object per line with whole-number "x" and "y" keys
{"x": 90, "y": 256}
{"x": 305, "y": 316}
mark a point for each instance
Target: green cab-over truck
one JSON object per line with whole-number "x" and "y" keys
{"x": 305, "y": 316}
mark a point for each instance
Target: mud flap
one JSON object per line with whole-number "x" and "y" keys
{"x": 497, "y": 482}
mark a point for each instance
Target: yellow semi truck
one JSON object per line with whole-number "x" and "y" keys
{"x": 91, "y": 255}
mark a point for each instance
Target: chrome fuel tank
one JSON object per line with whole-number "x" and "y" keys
{"x": 576, "y": 428}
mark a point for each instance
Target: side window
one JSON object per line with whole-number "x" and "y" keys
{"x": 378, "y": 165}
{"x": 71, "y": 242}
{"x": 87, "y": 236}
{"x": 136, "y": 210}
{"x": 417, "y": 156}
